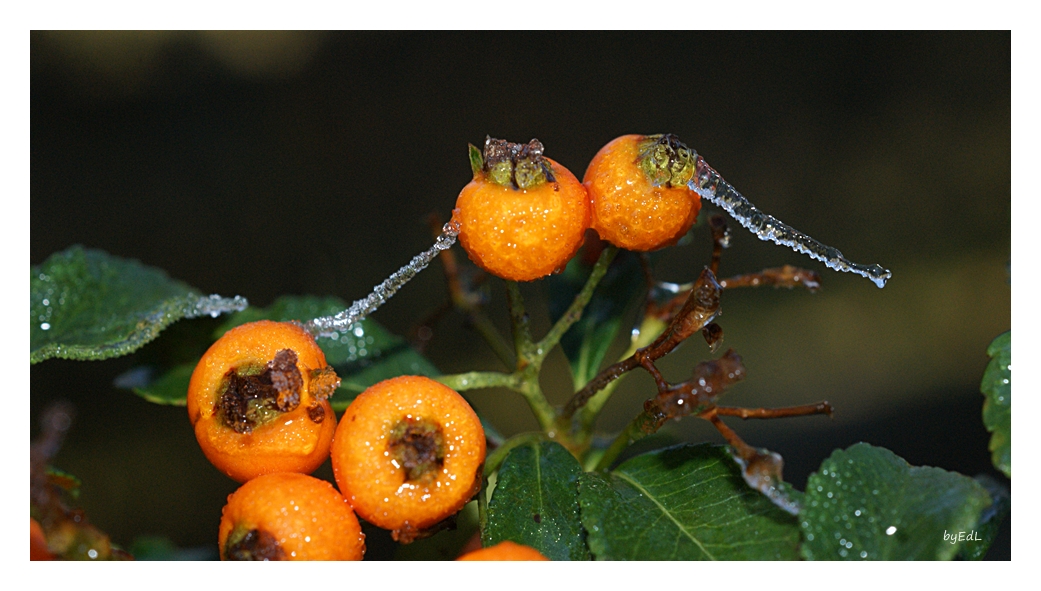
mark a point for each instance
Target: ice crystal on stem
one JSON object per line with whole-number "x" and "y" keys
{"x": 713, "y": 188}
{"x": 329, "y": 326}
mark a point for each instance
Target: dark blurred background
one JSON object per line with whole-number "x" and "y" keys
{"x": 263, "y": 164}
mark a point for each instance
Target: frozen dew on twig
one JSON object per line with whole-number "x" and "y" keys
{"x": 711, "y": 187}
{"x": 330, "y": 326}
{"x": 214, "y": 305}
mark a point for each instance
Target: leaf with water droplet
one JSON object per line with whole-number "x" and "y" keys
{"x": 585, "y": 344}
{"x": 990, "y": 520}
{"x": 683, "y": 503}
{"x": 87, "y": 304}
{"x": 906, "y": 512}
{"x": 997, "y": 406}
{"x": 535, "y": 502}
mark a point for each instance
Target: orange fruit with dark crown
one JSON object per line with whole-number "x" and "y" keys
{"x": 638, "y": 190}
{"x": 408, "y": 454}
{"x": 523, "y": 216}
{"x": 258, "y": 401}
{"x": 289, "y": 516}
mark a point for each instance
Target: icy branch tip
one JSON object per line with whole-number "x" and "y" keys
{"x": 448, "y": 235}
{"x": 330, "y": 326}
{"x": 215, "y": 305}
{"x": 710, "y": 186}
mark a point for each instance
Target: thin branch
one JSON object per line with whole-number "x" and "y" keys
{"x": 785, "y": 276}
{"x": 522, "y": 342}
{"x": 701, "y": 307}
{"x": 643, "y": 425}
{"x": 819, "y": 408}
{"x": 475, "y": 380}
{"x": 574, "y": 311}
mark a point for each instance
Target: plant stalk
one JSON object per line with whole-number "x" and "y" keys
{"x": 574, "y": 312}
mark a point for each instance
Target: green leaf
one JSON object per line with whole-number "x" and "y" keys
{"x": 87, "y": 304}
{"x": 362, "y": 356}
{"x": 997, "y": 406}
{"x": 682, "y": 503}
{"x": 585, "y": 344}
{"x": 535, "y": 502}
{"x": 990, "y": 520}
{"x": 868, "y": 503}
{"x": 163, "y": 370}
{"x": 169, "y": 387}
{"x": 476, "y": 160}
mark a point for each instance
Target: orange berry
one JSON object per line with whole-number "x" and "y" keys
{"x": 289, "y": 516}
{"x": 505, "y": 550}
{"x": 523, "y": 215}
{"x": 638, "y": 189}
{"x": 408, "y": 453}
{"x": 257, "y": 400}
{"x": 38, "y": 549}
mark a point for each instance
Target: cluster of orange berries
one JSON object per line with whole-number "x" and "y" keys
{"x": 523, "y": 216}
{"x": 407, "y": 453}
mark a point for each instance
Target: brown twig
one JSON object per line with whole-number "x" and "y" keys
{"x": 720, "y": 239}
{"x": 785, "y": 276}
{"x": 819, "y": 408}
{"x": 701, "y": 306}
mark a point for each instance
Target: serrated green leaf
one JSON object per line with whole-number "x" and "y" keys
{"x": 997, "y": 406}
{"x": 535, "y": 502}
{"x": 585, "y": 344}
{"x": 87, "y": 304}
{"x": 990, "y": 520}
{"x": 682, "y": 503}
{"x": 362, "y": 356}
{"x": 867, "y": 503}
